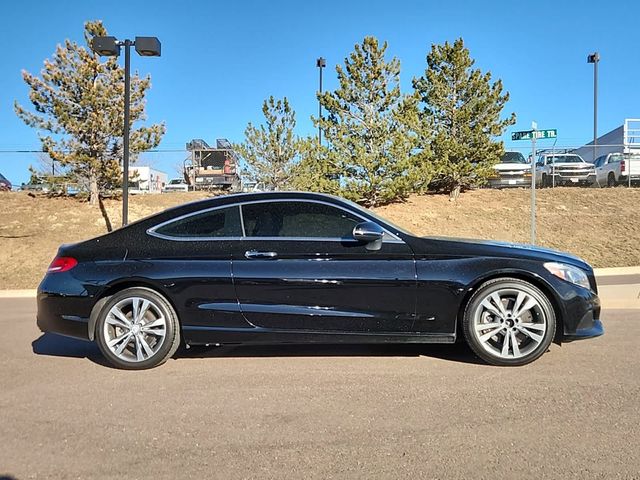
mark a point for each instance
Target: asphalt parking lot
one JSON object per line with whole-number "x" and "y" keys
{"x": 318, "y": 412}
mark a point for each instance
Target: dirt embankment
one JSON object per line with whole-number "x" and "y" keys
{"x": 600, "y": 225}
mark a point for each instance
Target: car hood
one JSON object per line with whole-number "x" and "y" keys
{"x": 465, "y": 246}
{"x": 501, "y": 167}
{"x": 571, "y": 164}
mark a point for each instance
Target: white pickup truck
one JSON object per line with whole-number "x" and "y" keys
{"x": 554, "y": 169}
{"x": 613, "y": 169}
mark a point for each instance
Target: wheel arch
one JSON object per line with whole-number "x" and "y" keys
{"x": 533, "y": 279}
{"x": 118, "y": 286}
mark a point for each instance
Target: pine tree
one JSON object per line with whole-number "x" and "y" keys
{"x": 366, "y": 127}
{"x": 79, "y": 112}
{"x": 271, "y": 150}
{"x": 460, "y": 117}
{"x": 315, "y": 171}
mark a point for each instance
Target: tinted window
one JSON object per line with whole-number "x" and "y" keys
{"x": 224, "y": 222}
{"x": 297, "y": 219}
{"x": 2, "y": 177}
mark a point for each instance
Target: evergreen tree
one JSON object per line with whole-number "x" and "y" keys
{"x": 315, "y": 172}
{"x": 461, "y": 116}
{"x": 271, "y": 150}
{"x": 367, "y": 128}
{"x": 79, "y": 112}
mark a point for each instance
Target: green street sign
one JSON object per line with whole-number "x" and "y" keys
{"x": 528, "y": 134}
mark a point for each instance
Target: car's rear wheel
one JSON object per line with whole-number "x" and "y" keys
{"x": 509, "y": 322}
{"x": 137, "y": 329}
{"x": 611, "y": 180}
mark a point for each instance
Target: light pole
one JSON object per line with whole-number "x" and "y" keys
{"x": 595, "y": 58}
{"x": 110, "y": 47}
{"x": 320, "y": 63}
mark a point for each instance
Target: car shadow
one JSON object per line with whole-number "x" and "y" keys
{"x": 458, "y": 352}
{"x": 50, "y": 344}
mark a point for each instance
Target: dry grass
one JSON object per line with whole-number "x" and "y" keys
{"x": 600, "y": 225}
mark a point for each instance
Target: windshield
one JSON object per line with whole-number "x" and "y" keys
{"x": 512, "y": 157}
{"x": 2, "y": 177}
{"x": 564, "y": 159}
{"x": 175, "y": 181}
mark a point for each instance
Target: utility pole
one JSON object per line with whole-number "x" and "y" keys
{"x": 595, "y": 58}
{"x": 320, "y": 63}
{"x": 534, "y": 126}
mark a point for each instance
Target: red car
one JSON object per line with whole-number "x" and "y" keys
{"x": 4, "y": 183}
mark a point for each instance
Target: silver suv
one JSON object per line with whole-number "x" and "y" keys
{"x": 564, "y": 169}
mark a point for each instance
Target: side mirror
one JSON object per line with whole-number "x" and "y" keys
{"x": 369, "y": 232}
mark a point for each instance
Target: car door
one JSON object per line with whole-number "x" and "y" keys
{"x": 192, "y": 258}
{"x": 299, "y": 268}
{"x": 600, "y": 174}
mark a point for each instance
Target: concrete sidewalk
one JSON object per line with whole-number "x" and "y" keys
{"x": 617, "y": 287}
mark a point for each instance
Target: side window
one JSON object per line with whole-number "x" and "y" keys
{"x": 223, "y": 222}
{"x": 297, "y": 219}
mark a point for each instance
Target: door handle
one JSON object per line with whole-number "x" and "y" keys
{"x": 254, "y": 254}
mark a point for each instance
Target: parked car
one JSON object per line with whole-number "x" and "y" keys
{"x": 564, "y": 169}
{"x": 613, "y": 168}
{"x": 35, "y": 187}
{"x": 5, "y": 184}
{"x": 286, "y": 267}
{"x": 513, "y": 171}
{"x": 176, "y": 185}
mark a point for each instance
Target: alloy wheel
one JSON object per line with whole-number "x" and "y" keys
{"x": 509, "y": 323}
{"x": 134, "y": 329}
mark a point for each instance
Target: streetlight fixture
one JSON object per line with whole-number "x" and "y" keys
{"x": 320, "y": 63}
{"x": 110, "y": 47}
{"x": 595, "y": 58}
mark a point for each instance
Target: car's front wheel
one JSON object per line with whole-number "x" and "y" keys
{"x": 509, "y": 322}
{"x": 137, "y": 328}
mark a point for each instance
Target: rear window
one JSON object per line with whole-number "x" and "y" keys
{"x": 223, "y": 222}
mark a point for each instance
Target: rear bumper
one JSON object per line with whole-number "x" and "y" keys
{"x": 64, "y": 315}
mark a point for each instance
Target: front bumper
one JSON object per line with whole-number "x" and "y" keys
{"x": 504, "y": 182}
{"x": 595, "y": 330}
{"x": 573, "y": 177}
{"x": 582, "y": 314}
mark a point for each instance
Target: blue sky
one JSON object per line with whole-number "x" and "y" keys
{"x": 220, "y": 60}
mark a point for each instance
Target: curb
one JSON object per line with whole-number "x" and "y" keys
{"x": 605, "y": 272}
{"x": 18, "y": 293}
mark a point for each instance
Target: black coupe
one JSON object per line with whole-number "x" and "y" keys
{"x": 287, "y": 267}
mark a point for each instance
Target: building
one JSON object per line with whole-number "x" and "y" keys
{"x": 146, "y": 180}
{"x": 624, "y": 139}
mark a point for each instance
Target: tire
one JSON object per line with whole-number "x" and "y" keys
{"x": 532, "y": 328}
{"x": 611, "y": 180}
{"x": 144, "y": 342}
{"x": 544, "y": 182}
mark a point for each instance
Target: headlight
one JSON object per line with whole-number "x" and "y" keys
{"x": 568, "y": 273}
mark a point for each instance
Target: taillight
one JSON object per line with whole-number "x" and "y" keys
{"x": 622, "y": 166}
{"x": 62, "y": 264}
